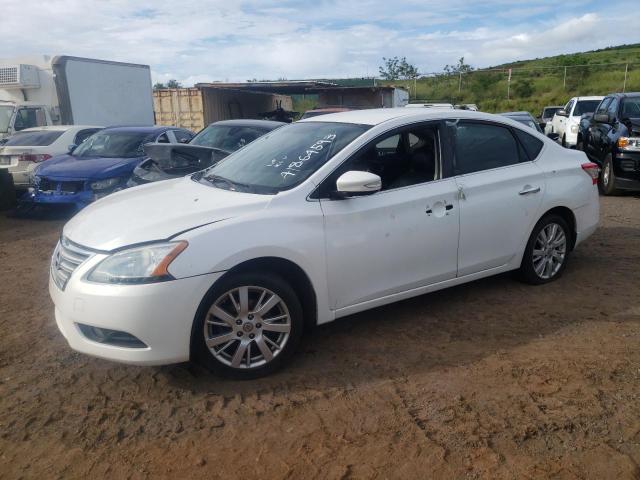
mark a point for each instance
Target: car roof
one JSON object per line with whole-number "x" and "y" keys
{"x": 63, "y": 128}
{"x": 248, "y": 122}
{"x": 151, "y": 129}
{"x": 554, "y": 106}
{"x": 516, "y": 114}
{"x": 625, "y": 94}
{"x": 592, "y": 97}
{"x": 377, "y": 116}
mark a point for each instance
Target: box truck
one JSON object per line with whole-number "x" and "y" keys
{"x": 64, "y": 90}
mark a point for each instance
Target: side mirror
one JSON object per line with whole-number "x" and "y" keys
{"x": 72, "y": 147}
{"x": 355, "y": 183}
{"x": 562, "y": 113}
{"x": 602, "y": 117}
{"x": 553, "y": 136}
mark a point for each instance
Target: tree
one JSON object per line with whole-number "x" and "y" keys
{"x": 397, "y": 69}
{"x": 170, "y": 84}
{"x": 523, "y": 88}
{"x": 458, "y": 68}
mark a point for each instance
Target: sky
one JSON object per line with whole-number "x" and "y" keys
{"x": 200, "y": 41}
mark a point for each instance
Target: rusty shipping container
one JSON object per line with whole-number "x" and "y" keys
{"x": 196, "y": 107}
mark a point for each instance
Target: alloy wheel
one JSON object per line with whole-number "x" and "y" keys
{"x": 247, "y": 327}
{"x": 549, "y": 251}
{"x": 606, "y": 174}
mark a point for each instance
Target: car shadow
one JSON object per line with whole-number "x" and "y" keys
{"x": 451, "y": 327}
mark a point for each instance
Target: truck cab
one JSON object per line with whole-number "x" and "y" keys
{"x": 17, "y": 116}
{"x": 612, "y": 140}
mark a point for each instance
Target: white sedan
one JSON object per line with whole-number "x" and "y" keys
{"x": 28, "y": 148}
{"x": 314, "y": 221}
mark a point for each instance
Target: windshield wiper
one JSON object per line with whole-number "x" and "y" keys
{"x": 232, "y": 185}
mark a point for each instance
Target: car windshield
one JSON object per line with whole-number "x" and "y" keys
{"x": 5, "y": 117}
{"x": 631, "y": 107}
{"x": 585, "y": 106}
{"x": 39, "y": 138}
{"x": 227, "y": 137}
{"x": 282, "y": 158}
{"x": 114, "y": 144}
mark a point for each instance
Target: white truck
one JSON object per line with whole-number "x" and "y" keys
{"x": 566, "y": 122}
{"x": 64, "y": 90}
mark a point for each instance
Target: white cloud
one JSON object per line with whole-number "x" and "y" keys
{"x": 197, "y": 40}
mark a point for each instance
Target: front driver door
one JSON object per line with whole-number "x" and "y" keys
{"x": 398, "y": 239}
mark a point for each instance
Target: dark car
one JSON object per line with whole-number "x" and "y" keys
{"x": 101, "y": 165}
{"x": 523, "y": 117}
{"x": 547, "y": 114}
{"x": 612, "y": 140}
{"x": 208, "y": 147}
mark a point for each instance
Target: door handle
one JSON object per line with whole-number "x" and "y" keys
{"x": 528, "y": 190}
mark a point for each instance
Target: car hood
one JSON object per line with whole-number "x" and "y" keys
{"x": 69, "y": 167}
{"x": 156, "y": 211}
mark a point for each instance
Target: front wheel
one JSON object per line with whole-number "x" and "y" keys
{"x": 547, "y": 251}
{"x": 248, "y": 326}
{"x": 607, "y": 179}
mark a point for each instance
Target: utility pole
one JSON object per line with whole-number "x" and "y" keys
{"x": 564, "y": 80}
{"x": 626, "y": 70}
{"x": 509, "y": 85}
{"x": 460, "y": 82}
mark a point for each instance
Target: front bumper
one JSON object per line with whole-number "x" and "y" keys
{"x": 627, "y": 169}
{"x": 159, "y": 314}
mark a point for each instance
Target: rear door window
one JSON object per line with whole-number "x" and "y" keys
{"x": 182, "y": 136}
{"x": 39, "y": 138}
{"x": 483, "y": 146}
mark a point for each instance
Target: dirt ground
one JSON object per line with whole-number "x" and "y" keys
{"x": 493, "y": 379}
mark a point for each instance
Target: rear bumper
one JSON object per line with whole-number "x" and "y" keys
{"x": 22, "y": 173}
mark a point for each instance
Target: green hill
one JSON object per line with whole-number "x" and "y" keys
{"x": 535, "y": 83}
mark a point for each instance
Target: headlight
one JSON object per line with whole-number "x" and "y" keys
{"x": 146, "y": 264}
{"x": 629, "y": 143}
{"x": 104, "y": 184}
{"x": 574, "y": 128}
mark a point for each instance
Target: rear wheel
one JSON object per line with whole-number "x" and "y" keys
{"x": 547, "y": 251}
{"x": 607, "y": 179}
{"x": 248, "y": 326}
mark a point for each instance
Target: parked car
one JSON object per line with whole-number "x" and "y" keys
{"x": 323, "y": 111}
{"x": 430, "y": 105}
{"x": 612, "y": 140}
{"x": 523, "y": 117}
{"x": 27, "y": 149}
{"x": 98, "y": 167}
{"x": 209, "y": 146}
{"x": 317, "y": 220}
{"x": 565, "y": 122}
{"x": 547, "y": 115}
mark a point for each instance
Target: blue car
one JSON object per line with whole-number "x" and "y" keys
{"x": 101, "y": 165}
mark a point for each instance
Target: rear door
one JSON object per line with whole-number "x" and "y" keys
{"x": 501, "y": 192}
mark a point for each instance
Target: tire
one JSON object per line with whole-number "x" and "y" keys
{"x": 564, "y": 141}
{"x": 241, "y": 346}
{"x": 537, "y": 254}
{"x": 607, "y": 178}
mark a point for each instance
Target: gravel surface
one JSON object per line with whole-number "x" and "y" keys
{"x": 494, "y": 379}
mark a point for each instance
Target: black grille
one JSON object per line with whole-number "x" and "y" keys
{"x": 48, "y": 185}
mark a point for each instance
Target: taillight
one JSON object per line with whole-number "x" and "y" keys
{"x": 34, "y": 157}
{"x": 592, "y": 170}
